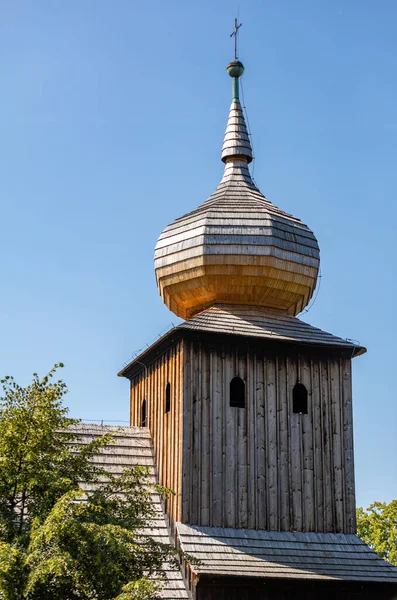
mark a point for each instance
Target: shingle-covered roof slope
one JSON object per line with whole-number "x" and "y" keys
{"x": 236, "y": 142}
{"x": 287, "y": 555}
{"x": 257, "y": 322}
{"x": 133, "y": 447}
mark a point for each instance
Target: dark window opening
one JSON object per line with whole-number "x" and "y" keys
{"x": 299, "y": 399}
{"x": 168, "y": 397}
{"x": 143, "y": 413}
{"x": 237, "y": 393}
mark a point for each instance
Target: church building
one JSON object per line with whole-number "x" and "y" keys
{"x": 247, "y": 409}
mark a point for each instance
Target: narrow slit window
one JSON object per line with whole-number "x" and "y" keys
{"x": 168, "y": 397}
{"x": 143, "y": 413}
{"x": 299, "y": 399}
{"x": 237, "y": 393}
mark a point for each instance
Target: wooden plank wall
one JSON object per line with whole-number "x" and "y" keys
{"x": 264, "y": 467}
{"x": 166, "y": 428}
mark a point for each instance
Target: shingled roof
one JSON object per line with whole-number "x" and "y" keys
{"x": 133, "y": 447}
{"x": 248, "y": 322}
{"x": 258, "y": 322}
{"x": 286, "y": 555}
{"x": 240, "y": 552}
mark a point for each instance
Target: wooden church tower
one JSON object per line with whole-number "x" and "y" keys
{"x": 249, "y": 408}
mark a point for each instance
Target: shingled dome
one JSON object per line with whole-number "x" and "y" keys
{"x": 237, "y": 247}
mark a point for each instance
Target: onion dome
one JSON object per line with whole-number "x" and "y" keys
{"x": 237, "y": 247}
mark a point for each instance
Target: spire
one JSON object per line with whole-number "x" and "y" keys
{"x": 236, "y": 144}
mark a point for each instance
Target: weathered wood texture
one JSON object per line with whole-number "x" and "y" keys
{"x": 282, "y": 555}
{"x": 165, "y": 427}
{"x": 266, "y": 324}
{"x": 264, "y": 467}
{"x": 237, "y": 247}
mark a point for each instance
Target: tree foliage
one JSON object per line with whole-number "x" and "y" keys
{"x": 377, "y": 527}
{"x": 57, "y": 541}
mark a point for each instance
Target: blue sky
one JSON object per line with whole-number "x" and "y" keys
{"x": 111, "y": 121}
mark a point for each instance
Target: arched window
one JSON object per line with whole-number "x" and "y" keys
{"x": 237, "y": 393}
{"x": 143, "y": 413}
{"x": 168, "y": 397}
{"x": 299, "y": 399}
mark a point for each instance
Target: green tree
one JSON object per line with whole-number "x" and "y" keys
{"x": 57, "y": 541}
{"x": 377, "y": 527}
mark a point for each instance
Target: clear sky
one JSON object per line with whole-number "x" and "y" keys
{"x": 112, "y": 116}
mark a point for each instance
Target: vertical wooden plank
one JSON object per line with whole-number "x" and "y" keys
{"x": 251, "y": 409}
{"x": 289, "y": 411}
{"x": 327, "y": 447}
{"x": 187, "y": 433}
{"x": 148, "y": 387}
{"x": 261, "y": 494}
{"x": 350, "y": 524}
{"x": 295, "y": 450}
{"x": 283, "y": 444}
{"x": 174, "y": 446}
{"x": 138, "y": 403}
{"x": 342, "y": 444}
{"x": 161, "y": 405}
{"x": 217, "y": 457}
{"x": 180, "y": 432}
{"x": 132, "y": 392}
{"x": 167, "y": 420}
{"x": 336, "y": 444}
{"x": 170, "y": 440}
{"x": 303, "y": 507}
{"x": 224, "y": 387}
{"x": 205, "y": 442}
{"x": 172, "y": 420}
{"x": 318, "y": 446}
{"x": 133, "y": 401}
{"x": 161, "y": 408}
{"x": 199, "y": 399}
{"x": 210, "y": 434}
{"x": 159, "y": 414}
{"x": 165, "y": 436}
{"x": 136, "y": 398}
{"x": 242, "y": 449}
{"x": 230, "y": 472}
{"x": 307, "y": 447}
{"x": 272, "y": 442}
{"x": 195, "y": 491}
{"x": 152, "y": 409}
{"x": 167, "y": 416}
{"x": 151, "y": 404}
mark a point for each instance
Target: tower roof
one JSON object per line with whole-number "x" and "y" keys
{"x": 237, "y": 247}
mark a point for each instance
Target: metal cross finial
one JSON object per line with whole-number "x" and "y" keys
{"x": 235, "y": 32}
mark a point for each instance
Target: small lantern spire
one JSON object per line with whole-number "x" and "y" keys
{"x": 236, "y": 144}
